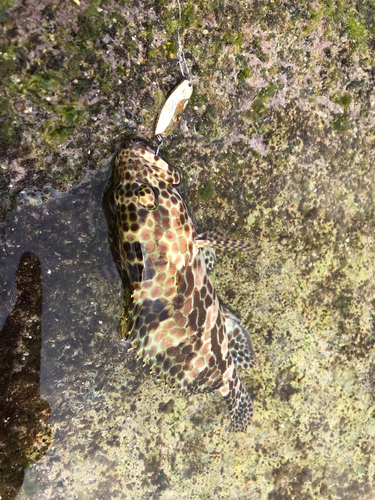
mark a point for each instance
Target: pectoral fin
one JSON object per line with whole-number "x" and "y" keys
{"x": 217, "y": 238}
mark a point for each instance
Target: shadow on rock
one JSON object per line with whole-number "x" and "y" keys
{"x": 109, "y": 210}
{"x": 24, "y": 434}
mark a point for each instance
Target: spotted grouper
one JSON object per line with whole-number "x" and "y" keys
{"x": 175, "y": 321}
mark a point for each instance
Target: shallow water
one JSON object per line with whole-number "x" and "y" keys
{"x": 115, "y": 431}
{"x": 106, "y": 411}
{"x": 69, "y": 235}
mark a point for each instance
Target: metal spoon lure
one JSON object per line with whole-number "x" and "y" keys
{"x": 173, "y": 108}
{"x": 177, "y": 100}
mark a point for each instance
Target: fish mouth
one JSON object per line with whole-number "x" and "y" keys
{"x": 141, "y": 148}
{"x": 143, "y": 145}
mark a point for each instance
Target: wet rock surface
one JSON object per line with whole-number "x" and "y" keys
{"x": 276, "y": 147}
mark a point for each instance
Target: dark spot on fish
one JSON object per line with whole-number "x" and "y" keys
{"x": 166, "y": 222}
{"x": 187, "y": 349}
{"x": 174, "y": 370}
{"x": 181, "y": 283}
{"x": 208, "y": 301}
{"x": 173, "y": 351}
{"x": 180, "y": 358}
{"x": 199, "y": 333}
{"x": 192, "y": 319}
{"x": 198, "y": 345}
{"x": 216, "y": 348}
{"x": 164, "y": 211}
{"x": 221, "y": 335}
{"x": 148, "y": 274}
{"x": 142, "y": 213}
{"x": 143, "y": 331}
{"x": 190, "y": 281}
{"x": 164, "y": 315}
{"x": 202, "y": 313}
{"x": 202, "y": 374}
{"x": 150, "y": 318}
{"x": 162, "y": 263}
{"x": 178, "y": 302}
{"x": 191, "y": 356}
{"x": 153, "y": 326}
{"x": 158, "y": 305}
{"x": 160, "y": 357}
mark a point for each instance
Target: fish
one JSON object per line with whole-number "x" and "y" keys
{"x": 175, "y": 321}
{"x": 173, "y": 108}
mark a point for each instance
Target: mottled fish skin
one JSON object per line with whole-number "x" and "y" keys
{"x": 176, "y": 322}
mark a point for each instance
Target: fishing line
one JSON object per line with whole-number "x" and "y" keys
{"x": 177, "y": 101}
{"x": 181, "y": 54}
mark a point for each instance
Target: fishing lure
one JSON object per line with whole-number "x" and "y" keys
{"x": 173, "y": 108}
{"x": 179, "y": 97}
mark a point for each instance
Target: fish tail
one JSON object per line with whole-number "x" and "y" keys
{"x": 240, "y": 406}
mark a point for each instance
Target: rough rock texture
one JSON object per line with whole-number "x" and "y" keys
{"x": 276, "y": 147}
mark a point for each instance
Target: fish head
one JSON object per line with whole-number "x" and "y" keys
{"x": 139, "y": 162}
{"x": 151, "y": 216}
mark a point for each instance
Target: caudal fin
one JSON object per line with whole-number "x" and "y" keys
{"x": 240, "y": 406}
